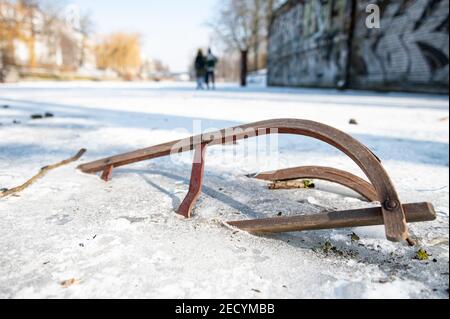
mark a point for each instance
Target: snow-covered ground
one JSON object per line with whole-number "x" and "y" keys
{"x": 122, "y": 239}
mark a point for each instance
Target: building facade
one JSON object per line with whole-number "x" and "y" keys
{"x": 29, "y": 39}
{"x": 327, "y": 43}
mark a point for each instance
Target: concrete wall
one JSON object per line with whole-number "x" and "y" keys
{"x": 325, "y": 43}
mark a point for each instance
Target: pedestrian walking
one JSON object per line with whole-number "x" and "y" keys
{"x": 200, "y": 69}
{"x": 211, "y": 62}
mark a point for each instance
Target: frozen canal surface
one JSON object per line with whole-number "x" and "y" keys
{"x": 123, "y": 239}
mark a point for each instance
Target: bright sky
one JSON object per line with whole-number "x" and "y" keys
{"x": 171, "y": 29}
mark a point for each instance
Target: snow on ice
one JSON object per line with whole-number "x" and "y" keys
{"x": 123, "y": 239}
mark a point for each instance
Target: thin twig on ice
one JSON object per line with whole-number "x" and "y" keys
{"x": 42, "y": 172}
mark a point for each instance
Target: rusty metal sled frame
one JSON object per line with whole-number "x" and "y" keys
{"x": 391, "y": 212}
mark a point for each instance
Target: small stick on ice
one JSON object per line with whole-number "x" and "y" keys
{"x": 42, "y": 173}
{"x": 291, "y": 185}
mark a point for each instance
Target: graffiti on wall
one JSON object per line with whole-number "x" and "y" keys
{"x": 326, "y": 43}
{"x": 410, "y": 48}
{"x": 309, "y": 43}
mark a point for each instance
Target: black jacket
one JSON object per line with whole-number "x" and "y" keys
{"x": 200, "y": 63}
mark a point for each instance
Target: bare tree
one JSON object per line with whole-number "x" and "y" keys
{"x": 243, "y": 25}
{"x": 234, "y": 25}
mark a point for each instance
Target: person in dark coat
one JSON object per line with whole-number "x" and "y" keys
{"x": 200, "y": 69}
{"x": 211, "y": 62}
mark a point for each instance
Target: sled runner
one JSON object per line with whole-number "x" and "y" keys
{"x": 379, "y": 187}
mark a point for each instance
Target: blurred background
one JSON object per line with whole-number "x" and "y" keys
{"x": 312, "y": 43}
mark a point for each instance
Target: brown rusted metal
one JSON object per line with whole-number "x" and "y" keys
{"x": 107, "y": 173}
{"x": 195, "y": 186}
{"x": 280, "y": 126}
{"x": 420, "y": 212}
{"x": 393, "y": 214}
{"x": 343, "y": 178}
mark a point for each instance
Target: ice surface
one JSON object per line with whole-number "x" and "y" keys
{"x": 123, "y": 240}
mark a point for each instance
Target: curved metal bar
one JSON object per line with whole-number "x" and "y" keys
{"x": 393, "y": 213}
{"x": 343, "y": 178}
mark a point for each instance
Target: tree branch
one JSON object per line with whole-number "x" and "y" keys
{"x": 43, "y": 172}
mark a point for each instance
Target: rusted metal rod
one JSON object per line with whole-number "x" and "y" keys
{"x": 195, "y": 186}
{"x": 343, "y": 219}
{"x": 107, "y": 173}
